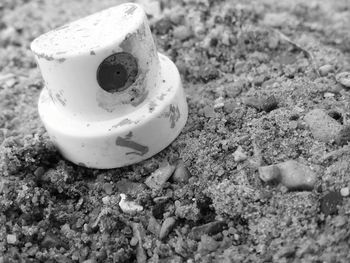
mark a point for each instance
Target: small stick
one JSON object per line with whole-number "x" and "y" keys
{"x": 336, "y": 153}
{"x": 306, "y": 53}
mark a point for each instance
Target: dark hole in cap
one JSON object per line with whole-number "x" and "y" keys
{"x": 117, "y": 72}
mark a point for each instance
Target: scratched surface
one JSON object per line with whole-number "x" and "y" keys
{"x": 132, "y": 146}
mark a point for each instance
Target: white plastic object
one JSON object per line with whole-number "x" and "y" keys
{"x": 110, "y": 99}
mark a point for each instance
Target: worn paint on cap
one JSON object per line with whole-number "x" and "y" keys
{"x": 110, "y": 99}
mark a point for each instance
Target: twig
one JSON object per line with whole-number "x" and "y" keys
{"x": 6, "y": 77}
{"x": 336, "y": 153}
{"x": 306, "y": 53}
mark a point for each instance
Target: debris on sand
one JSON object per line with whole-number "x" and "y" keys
{"x": 207, "y": 245}
{"x": 308, "y": 54}
{"x": 208, "y": 207}
{"x": 139, "y": 234}
{"x": 159, "y": 177}
{"x": 11, "y": 239}
{"x": 291, "y": 174}
{"x": 166, "y": 228}
{"x": 343, "y": 137}
{"x": 330, "y": 202}
{"x": 323, "y": 127}
{"x": 270, "y": 174}
{"x": 239, "y": 155}
{"x": 211, "y": 228}
{"x": 153, "y": 226}
{"x": 266, "y": 104}
{"x": 129, "y": 207}
{"x": 345, "y": 192}
{"x": 181, "y": 173}
{"x": 343, "y": 78}
{"x": 182, "y": 32}
{"x": 325, "y": 70}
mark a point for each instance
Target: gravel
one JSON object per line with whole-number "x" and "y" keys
{"x": 290, "y": 58}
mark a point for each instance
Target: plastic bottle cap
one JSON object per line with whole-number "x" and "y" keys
{"x": 110, "y": 99}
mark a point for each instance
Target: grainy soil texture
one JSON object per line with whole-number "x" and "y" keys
{"x": 262, "y": 167}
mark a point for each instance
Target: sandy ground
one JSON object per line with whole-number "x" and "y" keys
{"x": 262, "y": 166}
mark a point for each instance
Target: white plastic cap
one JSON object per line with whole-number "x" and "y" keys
{"x": 110, "y": 99}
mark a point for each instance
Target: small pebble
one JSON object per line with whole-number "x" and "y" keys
{"x": 345, "y": 192}
{"x": 339, "y": 221}
{"x": 129, "y": 207}
{"x": 182, "y": 32}
{"x": 291, "y": 174}
{"x": 209, "y": 111}
{"x": 105, "y": 200}
{"x": 323, "y": 127}
{"x": 273, "y": 42}
{"x": 269, "y": 104}
{"x": 329, "y": 203}
{"x": 39, "y": 172}
{"x": 252, "y": 102}
{"x": 167, "y": 226}
{"x": 219, "y": 103}
{"x": 293, "y": 125}
{"x": 240, "y": 67}
{"x": 262, "y": 104}
{"x": 161, "y": 199}
{"x": 129, "y": 187}
{"x": 207, "y": 245}
{"x": 325, "y": 69}
{"x": 133, "y": 241}
{"x": 11, "y": 82}
{"x": 296, "y": 176}
{"x": 8, "y": 35}
{"x": 239, "y": 155}
{"x": 50, "y": 241}
{"x": 225, "y": 38}
{"x": 269, "y": 174}
{"x": 3, "y": 186}
{"x": 28, "y": 244}
{"x": 343, "y": 137}
{"x": 181, "y": 173}
{"x": 328, "y": 95}
{"x": 343, "y": 78}
{"x": 159, "y": 177}
{"x": 139, "y": 235}
{"x": 176, "y": 17}
{"x": 108, "y": 188}
{"x": 229, "y": 107}
{"x": 286, "y": 252}
{"x": 163, "y": 26}
{"x": 235, "y": 89}
{"x": 211, "y": 228}
{"x": 153, "y": 226}
{"x": 11, "y": 239}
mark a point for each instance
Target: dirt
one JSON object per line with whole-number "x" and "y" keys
{"x": 251, "y": 72}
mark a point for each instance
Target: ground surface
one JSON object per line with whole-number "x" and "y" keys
{"x": 234, "y": 57}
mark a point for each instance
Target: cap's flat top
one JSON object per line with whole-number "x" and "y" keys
{"x": 90, "y": 33}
